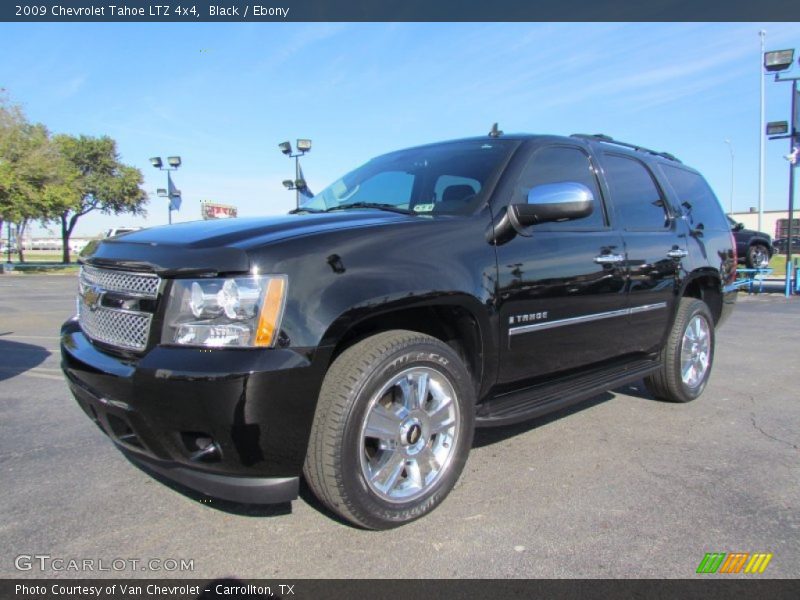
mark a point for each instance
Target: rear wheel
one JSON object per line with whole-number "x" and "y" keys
{"x": 757, "y": 256}
{"x": 392, "y": 430}
{"x": 688, "y": 355}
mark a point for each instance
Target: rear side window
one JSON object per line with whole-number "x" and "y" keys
{"x": 637, "y": 200}
{"x": 697, "y": 200}
{"x": 557, "y": 164}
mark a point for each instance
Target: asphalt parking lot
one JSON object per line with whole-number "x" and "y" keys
{"x": 623, "y": 486}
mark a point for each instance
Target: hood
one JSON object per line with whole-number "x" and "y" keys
{"x": 219, "y": 246}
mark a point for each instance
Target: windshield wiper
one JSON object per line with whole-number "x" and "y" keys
{"x": 378, "y": 205}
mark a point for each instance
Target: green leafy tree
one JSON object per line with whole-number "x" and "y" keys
{"x": 29, "y": 163}
{"x": 94, "y": 180}
{"x": 12, "y": 134}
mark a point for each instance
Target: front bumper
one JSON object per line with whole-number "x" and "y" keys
{"x": 253, "y": 408}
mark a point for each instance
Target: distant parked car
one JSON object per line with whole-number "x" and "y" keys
{"x": 754, "y": 248}
{"x": 779, "y": 245}
{"x": 115, "y": 231}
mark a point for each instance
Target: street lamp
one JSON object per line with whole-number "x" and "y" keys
{"x": 299, "y": 184}
{"x": 777, "y": 128}
{"x": 730, "y": 147}
{"x": 778, "y": 60}
{"x": 171, "y": 192}
{"x": 781, "y": 60}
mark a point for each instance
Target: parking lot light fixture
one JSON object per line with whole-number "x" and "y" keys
{"x": 173, "y": 163}
{"x": 298, "y": 184}
{"x": 781, "y": 60}
{"x": 778, "y": 60}
{"x": 777, "y": 127}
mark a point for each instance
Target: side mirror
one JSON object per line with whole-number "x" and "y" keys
{"x": 738, "y": 227}
{"x": 550, "y": 202}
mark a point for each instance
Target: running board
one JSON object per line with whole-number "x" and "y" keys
{"x": 550, "y": 396}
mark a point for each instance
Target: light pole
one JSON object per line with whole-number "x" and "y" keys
{"x": 299, "y": 184}
{"x": 763, "y": 35}
{"x": 730, "y": 147}
{"x": 174, "y": 195}
{"x": 8, "y": 242}
{"x": 777, "y": 61}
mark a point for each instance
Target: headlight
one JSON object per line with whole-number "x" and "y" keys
{"x": 231, "y": 311}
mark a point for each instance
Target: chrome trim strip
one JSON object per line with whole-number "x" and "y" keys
{"x": 586, "y": 318}
{"x": 646, "y": 307}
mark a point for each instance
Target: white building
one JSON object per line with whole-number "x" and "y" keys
{"x": 774, "y": 222}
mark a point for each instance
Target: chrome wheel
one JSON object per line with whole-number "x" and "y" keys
{"x": 409, "y": 434}
{"x": 695, "y": 352}
{"x": 759, "y": 257}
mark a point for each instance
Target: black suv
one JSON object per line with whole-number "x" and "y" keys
{"x": 359, "y": 341}
{"x": 754, "y": 248}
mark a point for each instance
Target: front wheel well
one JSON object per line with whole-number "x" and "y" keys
{"x": 453, "y": 325}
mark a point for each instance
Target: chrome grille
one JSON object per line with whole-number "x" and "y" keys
{"x": 128, "y": 330}
{"x": 136, "y": 284}
{"x": 118, "y": 327}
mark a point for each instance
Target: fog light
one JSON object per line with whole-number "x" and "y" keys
{"x": 201, "y": 447}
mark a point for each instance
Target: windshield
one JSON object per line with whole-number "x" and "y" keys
{"x": 449, "y": 178}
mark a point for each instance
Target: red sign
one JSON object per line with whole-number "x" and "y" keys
{"x": 211, "y": 210}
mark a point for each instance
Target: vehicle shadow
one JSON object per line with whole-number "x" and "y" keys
{"x": 637, "y": 389}
{"x": 486, "y": 436}
{"x": 308, "y": 496}
{"x": 17, "y": 357}
{"x": 233, "y": 508}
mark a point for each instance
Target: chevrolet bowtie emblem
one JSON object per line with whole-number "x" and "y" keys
{"x": 92, "y": 296}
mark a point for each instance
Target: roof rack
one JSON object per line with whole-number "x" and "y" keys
{"x": 599, "y": 137}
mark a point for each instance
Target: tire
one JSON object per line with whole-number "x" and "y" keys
{"x": 687, "y": 356}
{"x": 757, "y": 256}
{"x": 418, "y": 451}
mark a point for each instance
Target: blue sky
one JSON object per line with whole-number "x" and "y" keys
{"x": 223, "y": 96}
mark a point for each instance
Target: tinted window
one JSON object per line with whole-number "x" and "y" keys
{"x": 557, "y": 164}
{"x": 450, "y": 186}
{"x": 637, "y": 201}
{"x": 696, "y": 198}
{"x": 392, "y": 187}
{"x": 442, "y": 178}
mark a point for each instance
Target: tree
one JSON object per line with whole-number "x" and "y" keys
{"x": 29, "y": 163}
{"x": 12, "y": 125}
{"x": 95, "y": 179}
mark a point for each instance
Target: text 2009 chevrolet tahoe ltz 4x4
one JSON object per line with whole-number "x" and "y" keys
{"x": 359, "y": 341}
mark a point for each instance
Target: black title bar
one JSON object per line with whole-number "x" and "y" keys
{"x": 702, "y": 588}
{"x": 393, "y": 10}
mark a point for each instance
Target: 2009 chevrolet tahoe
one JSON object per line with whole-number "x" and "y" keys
{"x": 359, "y": 340}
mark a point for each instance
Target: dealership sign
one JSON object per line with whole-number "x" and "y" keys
{"x": 212, "y": 210}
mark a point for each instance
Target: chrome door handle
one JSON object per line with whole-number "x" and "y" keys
{"x": 609, "y": 259}
{"x": 677, "y": 253}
